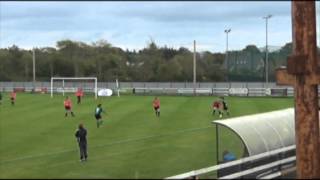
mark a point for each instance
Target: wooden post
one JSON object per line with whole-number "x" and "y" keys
{"x": 303, "y": 73}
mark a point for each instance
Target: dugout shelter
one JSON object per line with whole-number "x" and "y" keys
{"x": 259, "y": 133}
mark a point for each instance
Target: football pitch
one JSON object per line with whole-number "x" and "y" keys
{"x": 37, "y": 141}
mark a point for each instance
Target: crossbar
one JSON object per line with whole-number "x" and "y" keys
{"x": 73, "y": 78}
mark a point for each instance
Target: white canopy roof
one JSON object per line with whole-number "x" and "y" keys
{"x": 263, "y": 132}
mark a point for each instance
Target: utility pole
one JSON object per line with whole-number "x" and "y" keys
{"x": 34, "y": 67}
{"x": 267, "y": 63}
{"x": 303, "y": 73}
{"x": 194, "y": 67}
{"x": 227, "y": 31}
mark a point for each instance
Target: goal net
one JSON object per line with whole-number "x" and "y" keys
{"x": 72, "y": 84}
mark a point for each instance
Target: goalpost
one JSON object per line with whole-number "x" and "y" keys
{"x": 117, "y": 85}
{"x": 74, "y": 78}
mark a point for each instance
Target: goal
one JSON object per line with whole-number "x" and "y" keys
{"x": 73, "y": 88}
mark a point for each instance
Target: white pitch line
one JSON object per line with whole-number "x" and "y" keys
{"x": 99, "y": 157}
{"x": 109, "y": 144}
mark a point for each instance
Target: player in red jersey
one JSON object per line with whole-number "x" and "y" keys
{"x": 156, "y": 106}
{"x": 13, "y": 96}
{"x": 216, "y": 107}
{"x": 79, "y": 95}
{"x": 68, "y": 106}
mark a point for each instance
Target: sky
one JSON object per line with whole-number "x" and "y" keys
{"x": 131, "y": 25}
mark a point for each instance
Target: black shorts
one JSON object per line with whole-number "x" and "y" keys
{"x": 68, "y": 108}
{"x": 98, "y": 116}
{"x": 12, "y": 99}
{"x": 156, "y": 108}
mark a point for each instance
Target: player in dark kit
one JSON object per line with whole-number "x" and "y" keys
{"x": 81, "y": 135}
{"x": 225, "y": 106}
{"x": 98, "y": 116}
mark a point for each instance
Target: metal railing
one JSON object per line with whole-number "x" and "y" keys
{"x": 202, "y": 171}
{"x": 209, "y": 88}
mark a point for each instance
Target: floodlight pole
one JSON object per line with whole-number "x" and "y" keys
{"x": 51, "y": 87}
{"x": 227, "y": 31}
{"x": 34, "y": 67}
{"x": 267, "y": 63}
{"x": 194, "y": 68}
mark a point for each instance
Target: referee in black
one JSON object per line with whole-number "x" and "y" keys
{"x": 81, "y": 135}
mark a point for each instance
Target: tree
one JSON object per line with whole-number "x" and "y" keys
{"x": 152, "y": 63}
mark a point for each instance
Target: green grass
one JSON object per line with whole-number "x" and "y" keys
{"x": 37, "y": 141}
